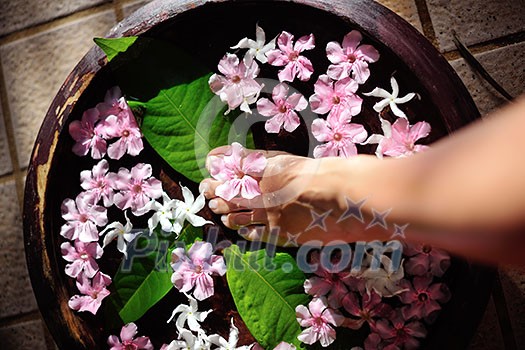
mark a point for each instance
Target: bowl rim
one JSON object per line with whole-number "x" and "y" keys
{"x": 446, "y": 92}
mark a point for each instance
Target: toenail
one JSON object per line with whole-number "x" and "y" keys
{"x": 213, "y": 204}
{"x": 204, "y": 187}
{"x": 243, "y": 219}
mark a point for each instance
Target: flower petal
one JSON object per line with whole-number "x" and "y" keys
{"x": 267, "y": 107}
{"x": 250, "y": 187}
{"x": 352, "y": 40}
{"x": 306, "y": 42}
{"x": 254, "y": 164}
{"x": 128, "y": 332}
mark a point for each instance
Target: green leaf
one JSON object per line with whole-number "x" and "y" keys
{"x": 181, "y": 117}
{"x": 184, "y": 123}
{"x": 113, "y": 46}
{"x": 148, "y": 280}
{"x": 266, "y": 292}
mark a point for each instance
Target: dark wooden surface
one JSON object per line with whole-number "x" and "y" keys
{"x": 200, "y": 27}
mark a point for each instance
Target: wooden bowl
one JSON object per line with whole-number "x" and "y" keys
{"x": 206, "y": 29}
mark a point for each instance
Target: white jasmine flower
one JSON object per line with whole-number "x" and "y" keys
{"x": 189, "y": 314}
{"x": 122, "y": 233}
{"x": 385, "y": 281}
{"x": 188, "y": 209}
{"x": 256, "y": 48}
{"x": 231, "y": 343}
{"x": 165, "y": 215}
{"x": 390, "y": 99}
{"x": 189, "y": 341}
{"x": 399, "y": 138}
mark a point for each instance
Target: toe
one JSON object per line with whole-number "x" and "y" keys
{"x": 245, "y": 218}
{"x": 208, "y": 186}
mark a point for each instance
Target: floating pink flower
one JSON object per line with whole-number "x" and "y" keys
{"x": 334, "y": 97}
{"x": 238, "y": 86}
{"x": 114, "y": 103}
{"x": 282, "y": 109}
{"x": 425, "y": 258}
{"x": 88, "y": 135}
{"x": 125, "y": 127}
{"x": 399, "y": 138}
{"x": 366, "y": 310}
{"x": 355, "y": 281}
{"x": 288, "y": 55}
{"x": 422, "y": 298}
{"x": 137, "y": 188}
{"x": 350, "y": 59}
{"x": 327, "y": 283}
{"x": 195, "y": 269}
{"x": 93, "y": 292}
{"x": 400, "y": 334}
{"x": 374, "y": 342}
{"x": 320, "y": 320}
{"x": 81, "y": 258}
{"x": 82, "y": 217}
{"x": 237, "y": 173}
{"x": 98, "y": 183}
{"x": 338, "y": 135}
{"x": 127, "y": 340}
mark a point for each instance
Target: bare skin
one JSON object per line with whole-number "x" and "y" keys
{"x": 465, "y": 194}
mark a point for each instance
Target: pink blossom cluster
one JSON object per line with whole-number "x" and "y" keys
{"x": 237, "y": 86}
{"x": 350, "y": 299}
{"x": 83, "y": 216}
{"x": 335, "y": 94}
{"x": 131, "y": 189}
{"x": 87, "y": 213}
{"x": 194, "y": 269}
{"x": 134, "y": 190}
{"x": 109, "y": 120}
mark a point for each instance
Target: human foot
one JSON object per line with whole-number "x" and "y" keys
{"x": 302, "y": 199}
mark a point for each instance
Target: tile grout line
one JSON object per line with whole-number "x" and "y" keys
{"x": 426, "y": 22}
{"x": 20, "y": 318}
{"x": 10, "y": 132}
{"x": 54, "y": 23}
{"x": 489, "y": 45}
{"x": 7, "y": 178}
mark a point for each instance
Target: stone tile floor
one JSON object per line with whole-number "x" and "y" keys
{"x": 41, "y": 41}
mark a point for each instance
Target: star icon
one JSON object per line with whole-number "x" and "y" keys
{"x": 318, "y": 220}
{"x": 292, "y": 239}
{"x": 399, "y": 231}
{"x": 353, "y": 209}
{"x": 379, "y": 219}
